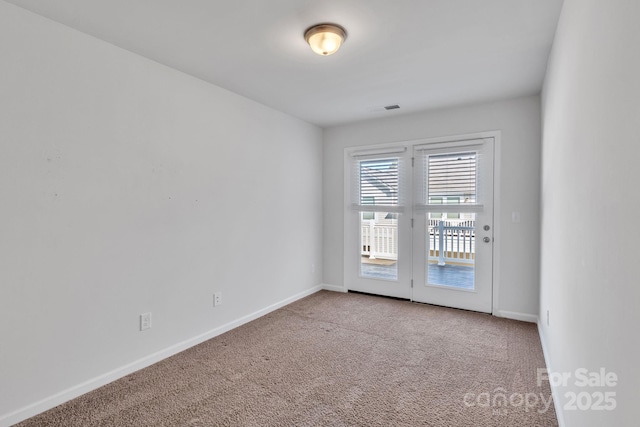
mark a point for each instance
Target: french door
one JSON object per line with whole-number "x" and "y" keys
{"x": 378, "y": 223}
{"x": 453, "y": 224}
{"x": 419, "y": 223}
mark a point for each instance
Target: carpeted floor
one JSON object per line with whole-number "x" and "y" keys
{"x": 336, "y": 359}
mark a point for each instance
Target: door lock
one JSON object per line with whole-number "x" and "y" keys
{"x": 486, "y": 239}
{"x": 486, "y": 228}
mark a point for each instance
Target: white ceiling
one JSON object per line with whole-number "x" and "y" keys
{"x": 420, "y": 54}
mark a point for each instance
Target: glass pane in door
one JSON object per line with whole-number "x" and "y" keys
{"x": 379, "y": 245}
{"x": 451, "y": 239}
{"x": 379, "y": 186}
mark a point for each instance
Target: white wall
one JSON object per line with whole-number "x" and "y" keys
{"x": 128, "y": 187}
{"x": 519, "y": 122}
{"x": 590, "y": 204}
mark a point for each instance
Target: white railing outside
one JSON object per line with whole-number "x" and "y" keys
{"x": 452, "y": 241}
{"x": 379, "y": 241}
{"x": 449, "y": 241}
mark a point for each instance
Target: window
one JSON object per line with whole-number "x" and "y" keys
{"x": 379, "y": 182}
{"x": 378, "y": 205}
{"x": 451, "y": 178}
{"x": 368, "y": 201}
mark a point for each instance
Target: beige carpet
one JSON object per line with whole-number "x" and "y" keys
{"x": 336, "y": 359}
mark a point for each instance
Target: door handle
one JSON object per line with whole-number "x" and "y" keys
{"x": 486, "y": 239}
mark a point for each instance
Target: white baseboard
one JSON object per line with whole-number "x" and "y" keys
{"x": 554, "y": 390}
{"x": 524, "y": 317}
{"x": 333, "y": 288}
{"x": 47, "y": 403}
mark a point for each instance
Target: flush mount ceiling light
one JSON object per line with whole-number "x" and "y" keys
{"x": 325, "y": 39}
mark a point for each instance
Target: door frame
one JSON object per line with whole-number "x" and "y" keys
{"x": 380, "y": 148}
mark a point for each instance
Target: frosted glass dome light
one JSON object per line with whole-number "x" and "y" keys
{"x": 325, "y": 39}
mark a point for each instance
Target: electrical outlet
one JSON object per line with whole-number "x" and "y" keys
{"x": 217, "y": 299}
{"x": 145, "y": 321}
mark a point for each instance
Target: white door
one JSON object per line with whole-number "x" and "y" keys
{"x": 378, "y": 222}
{"x": 419, "y": 222}
{"x": 453, "y": 224}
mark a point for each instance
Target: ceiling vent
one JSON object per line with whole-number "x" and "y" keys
{"x": 392, "y": 107}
